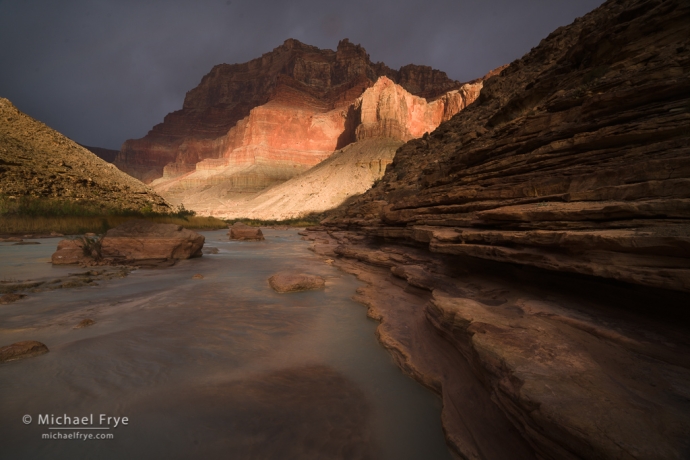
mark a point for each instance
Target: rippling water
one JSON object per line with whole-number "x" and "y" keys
{"x": 221, "y": 367}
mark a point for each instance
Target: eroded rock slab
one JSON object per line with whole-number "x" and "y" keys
{"x": 136, "y": 241}
{"x": 22, "y": 350}
{"x": 582, "y": 368}
{"x": 291, "y": 282}
{"x": 575, "y": 158}
{"x": 243, "y": 232}
{"x": 9, "y": 298}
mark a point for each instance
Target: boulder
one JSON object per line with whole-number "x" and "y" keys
{"x": 240, "y": 231}
{"x": 69, "y": 252}
{"x": 290, "y": 282}
{"x": 144, "y": 240}
{"x": 133, "y": 241}
{"x": 85, "y": 323}
{"x": 21, "y": 350}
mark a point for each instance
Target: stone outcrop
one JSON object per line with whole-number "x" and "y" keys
{"x": 243, "y": 232}
{"x": 544, "y": 233}
{"x": 251, "y": 127}
{"x": 85, "y": 323}
{"x": 39, "y": 162}
{"x": 574, "y": 158}
{"x": 133, "y": 242}
{"x": 347, "y": 173}
{"x": 294, "y": 282}
{"x": 278, "y": 141}
{"x": 22, "y": 350}
{"x": 70, "y": 252}
{"x": 297, "y": 80}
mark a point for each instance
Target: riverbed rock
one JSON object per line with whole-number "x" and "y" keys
{"x": 6, "y": 299}
{"x": 21, "y": 350}
{"x": 144, "y": 240}
{"x": 291, "y": 282}
{"x": 243, "y": 232}
{"x": 198, "y": 276}
{"x": 69, "y": 252}
{"x": 557, "y": 206}
{"x": 85, "y": 323}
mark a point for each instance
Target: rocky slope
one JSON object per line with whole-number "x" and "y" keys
{"x": 551, "y": 221}
{"x": 108, "y": 155}
{"x": 40, "y": 162}
{"x": 379, "y": 121}
{"x": 300, "y": 82}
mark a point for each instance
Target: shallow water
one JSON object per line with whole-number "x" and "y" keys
{"x": 217, "y": 367}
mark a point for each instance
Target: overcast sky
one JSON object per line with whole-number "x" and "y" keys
{"x": 103, "y": 71}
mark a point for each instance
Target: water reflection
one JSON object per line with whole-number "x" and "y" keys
{"x": 216, "y": 367}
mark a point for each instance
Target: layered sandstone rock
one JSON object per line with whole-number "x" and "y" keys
{"x": 22, "y": 350}
{"x": 575, "y": 160}
{"x": 277, "y": 142}
{"x": 300, "y": 81}
{"x": 145, "y": 240}
{"x": 39, "y": 162}
{"x": 240, "y": 231}
{"x": 132, "y": 242}
{"x": 295, "y": 282}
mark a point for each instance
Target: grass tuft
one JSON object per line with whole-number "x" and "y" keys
{"x": 29, "y": 215}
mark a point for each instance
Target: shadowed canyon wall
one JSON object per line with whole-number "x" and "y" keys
{"x": 544, "y": 232}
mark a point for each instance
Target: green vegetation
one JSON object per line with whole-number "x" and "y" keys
{"x": 44, "y": 215}
{"x": 304, "y": 221}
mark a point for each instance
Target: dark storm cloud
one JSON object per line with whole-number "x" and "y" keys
{"x": 105, "y": 71}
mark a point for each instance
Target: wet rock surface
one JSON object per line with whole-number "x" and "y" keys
{"x": 579, "y": 368}
{"x": 9, "y": 298}
{"x": 294, "y": 282}
{"x": 243, "y": 232}
{"x": 546, "y": 228}
{"x": 22, "y": 350}
{"x": 11, "y": 291}
{"x": 85, "y": 323}
{"x": 135, "y": 242}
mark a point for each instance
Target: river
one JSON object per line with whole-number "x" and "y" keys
{"x": 219, "y": 367}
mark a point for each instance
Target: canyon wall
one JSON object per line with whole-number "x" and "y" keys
{"x": 301, "y": 84}
{"x": 279, "y": 141}
{"x": 544, "y": 233}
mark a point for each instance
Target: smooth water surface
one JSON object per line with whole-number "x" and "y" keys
{"x": 219, "y": 367}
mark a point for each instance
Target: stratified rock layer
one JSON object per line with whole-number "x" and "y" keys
{"x": 379, "y": 121}
{"x": 243, "y": 232}
{"x": 295, "y": 282}
{"x": 574, "y": 160}
{"x": 22, "y": 350}
{"x": 275, "y": 98}
{"x": 145, "y": 240}
{"x": 132, "y": 242}
{"x": 39, "y": 162}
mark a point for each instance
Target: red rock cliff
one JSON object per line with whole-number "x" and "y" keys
{"x": 299, "y": 80}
